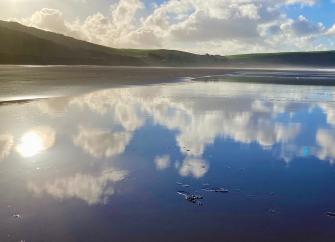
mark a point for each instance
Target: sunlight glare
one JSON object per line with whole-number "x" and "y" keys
{"x": 35, "y": 141}
{"x": 31, "y": 144}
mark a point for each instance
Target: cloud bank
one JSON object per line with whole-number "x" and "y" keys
{"x": 213, "y": 26}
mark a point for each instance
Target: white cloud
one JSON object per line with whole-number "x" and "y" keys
{"x": 213, "y": 26}
{"x": 193, "y": 167}
{"x": 331, "y": 30}
{"x": 6, "y": 145}
{"x": 51, "y": 20}
{"x": 91, "y": 189}
{"x": 329, "y": 111}
{"x": 101, "y": 143}
{"x": 120, "y": 102}
{"x": 304, "y": 2}
{"x": 162, "y": 162}
{"x": 302, "y": 27}
{"x": 326, "y": 140}
{"x": 54, "y": 107}
{"x": 244, "y": 117}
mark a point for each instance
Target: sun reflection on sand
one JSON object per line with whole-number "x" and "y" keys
{"x": 35, "y": 141}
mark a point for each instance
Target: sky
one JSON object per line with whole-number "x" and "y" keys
{"x": 200, "y": 26}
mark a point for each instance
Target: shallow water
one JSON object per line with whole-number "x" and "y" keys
{"x": 107, "y": 165}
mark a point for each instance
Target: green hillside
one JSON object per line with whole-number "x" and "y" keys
{"x": 25, "y": 45}
{"x": 20, "y": 44}
{"x": 314, "y": 58}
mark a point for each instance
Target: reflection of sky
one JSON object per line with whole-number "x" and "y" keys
{"x": 36, "y": 141}
{"x": 93, "y": 132}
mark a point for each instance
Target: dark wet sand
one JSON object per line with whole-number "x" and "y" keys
{"x": 31, "y": 82}
{"x": 27, "y": 82}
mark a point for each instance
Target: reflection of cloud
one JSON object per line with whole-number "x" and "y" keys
{"x": 326, "y": 140}
{"x": 126, "y": 115}
{"x": 54, "y": 107}
{"x": 323, "y": 150}
{"x": 329, "y": 110}
{"x": 260, "y": 106}
{"x": 220, "y": 110}
{"x": 221, "y": 113}
{"x": 162, "y": 162}
{"x": 241, "y": 127}
{"x": 6, "y": 144}
{"x": 289, "y": 152}
{"x": 101, "y": 143}
{"x": 36, "y": 140}
{"x": 91, "y": 189}
{"x": 193, "y": 167}
{"x": 119, "y": 102}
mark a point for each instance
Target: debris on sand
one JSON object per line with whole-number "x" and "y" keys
{"x": 331, "y": 214}
{"x": 17, "y": 216}
{"x": 215, "y": 189}
{"x": 273, "y": 211}
{"x": 191, "y": 197}
{"x": 182, "y": 184}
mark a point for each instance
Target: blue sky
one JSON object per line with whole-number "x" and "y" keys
{"x": 211, "y": 26}
{"x": 322, "y": 11}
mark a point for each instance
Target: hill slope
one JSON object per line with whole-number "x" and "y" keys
{"x": 314, "y": 58}
{"x": 20, "y": 44}
{"x": 25, "y": 45}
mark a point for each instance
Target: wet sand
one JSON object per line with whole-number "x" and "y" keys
{"x": 32, "y": 82}
{"x": 130, "y": 164}
{"x": 29, "y": 82}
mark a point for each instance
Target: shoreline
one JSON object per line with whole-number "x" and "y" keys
{"x": 19, "y": 83}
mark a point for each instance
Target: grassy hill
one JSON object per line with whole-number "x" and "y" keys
{"x": 313, "y": 58}
{"x": 20, "y": 44}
